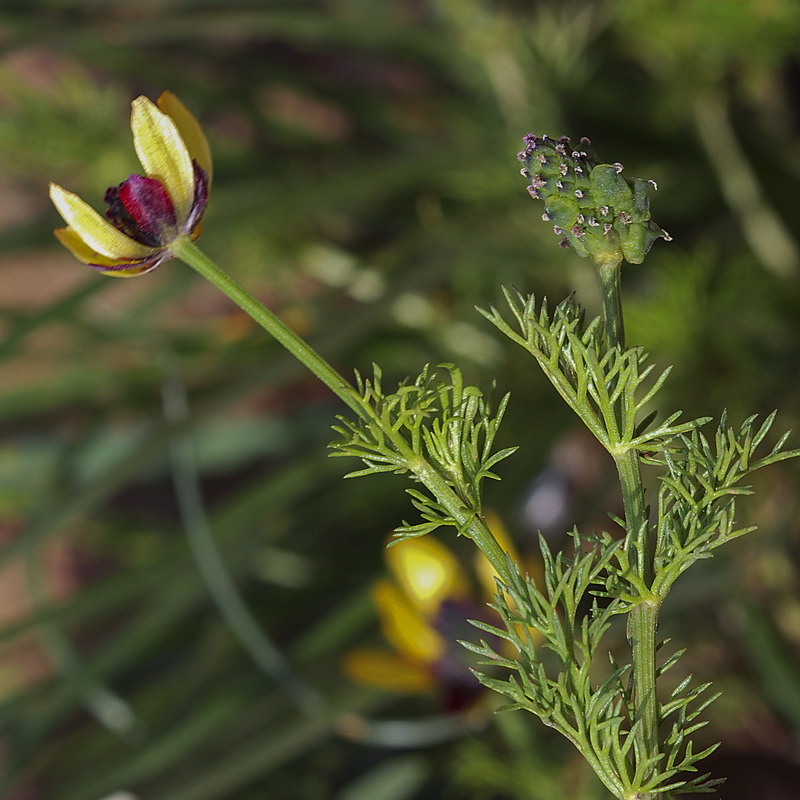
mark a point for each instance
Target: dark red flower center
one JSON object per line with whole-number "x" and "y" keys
{"x": 141, "y": 208}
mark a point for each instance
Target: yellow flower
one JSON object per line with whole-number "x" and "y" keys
{"x": 146, "y": 213}
{"x": 424, "y": 610}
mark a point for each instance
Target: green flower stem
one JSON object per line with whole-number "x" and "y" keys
{"x": 469, "y": 522}
{"x": 643, "y": 620}
{"x": 608, "y": 273}
{"x": 642, "y": 626}
{"x": 188, "y": 252}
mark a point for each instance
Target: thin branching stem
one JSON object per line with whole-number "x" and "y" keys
{"x": 643, "y": 620}
{"x": 188, "y": 252}
{"x": 468, "y": 521}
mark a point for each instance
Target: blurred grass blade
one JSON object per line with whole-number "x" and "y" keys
{"x": 209, "y": 561}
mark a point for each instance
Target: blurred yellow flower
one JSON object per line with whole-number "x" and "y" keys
{"x": 146, "y": 213}
{"x": 424, "y": 609}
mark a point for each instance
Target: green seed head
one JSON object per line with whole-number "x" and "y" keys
{"x": 603, "y": 215}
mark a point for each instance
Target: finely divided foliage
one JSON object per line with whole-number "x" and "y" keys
{"x": 554, "y": 628}
{"x": 697, "y": 497}
{"x": 695, "y": 515}
{"x": 598, "y": 716}
{"x": 603, "y": 386}
{"x": 441, "y": 432}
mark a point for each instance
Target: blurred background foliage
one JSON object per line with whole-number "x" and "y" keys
{"x": 366, "y": 189}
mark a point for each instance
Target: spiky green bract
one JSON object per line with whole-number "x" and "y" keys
{"x": 440, "y": 431}
{"x": 557, "y": 674}
{"x": 603, "y": 215}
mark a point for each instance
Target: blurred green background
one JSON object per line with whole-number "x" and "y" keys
{"x": 366, "y": 189}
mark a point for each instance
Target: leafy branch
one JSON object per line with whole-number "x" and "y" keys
{"x": 442, "y": 433}
{"x": 620, "y": 727}
{"x": 697, "y": 496}
{"x": 600, "y": 719}
{"x": 604, "y": 386}
{"x": 560, "y": 693}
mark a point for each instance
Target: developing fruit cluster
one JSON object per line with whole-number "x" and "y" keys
{"x": 603, "y": 215}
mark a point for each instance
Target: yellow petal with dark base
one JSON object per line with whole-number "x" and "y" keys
{"x": 403, "y": 626}
{"x": 485, "y": 571}
{"x": 163, "y": 154}
{"x": 70, "y": 239}
{"x": 84, "y": 253}
{"x": 387, "y": 671}
{"x": 189, "y": 129}
{"x": 428, "y": 572}
{"x": 96, "y": 232}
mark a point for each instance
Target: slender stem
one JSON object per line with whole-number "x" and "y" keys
{"x": 218, "y": 579}
{"x": 643, "y": 620}
{"x": 642, "y": 627}
{"x": 189, "y": 253}
{"x": 630, "y": 478}
{"x": 608, "y": 273}
{"x": 472, "y": 525}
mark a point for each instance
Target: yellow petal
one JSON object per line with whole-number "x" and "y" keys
{"x": 163, "y": 154}
{"x": 387, "y": 671}
{"x": 189, "y": 129}
{"x": 404, "y": 627}
{"x": 97, "y": 233}
{"x": 427, "y": 571}
{"x": 70, "y": 239}
{"x": 484, "y": 570}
